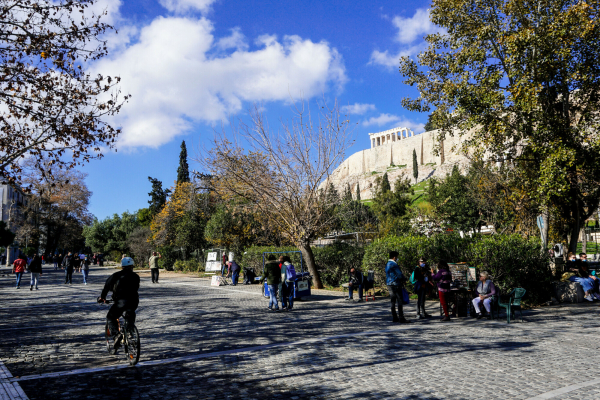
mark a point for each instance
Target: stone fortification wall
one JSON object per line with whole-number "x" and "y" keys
{"x": 396, "y": 158}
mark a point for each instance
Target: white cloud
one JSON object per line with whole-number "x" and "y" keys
{"x": 357, "y": 108}
{"x": 393, "y": 121}
{"x": 176, "y": 80}
{"x": 410, "y": 30}
{"x": 182, "y": 6}
{"x": 236, "y": 40}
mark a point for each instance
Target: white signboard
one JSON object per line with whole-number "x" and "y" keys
{"x": 215, "y": 281}
{"x": 213, "y": 266}
{"x": 302, "y": 285}
{"x": 212, "y": 256}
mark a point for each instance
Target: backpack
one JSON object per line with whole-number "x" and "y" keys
{"x": 290, "y": 273}
{"x": 413, "y": 278}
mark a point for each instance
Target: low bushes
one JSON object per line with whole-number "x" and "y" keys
{"x": 511, "y": 260}
{"x": 188, "y": 266}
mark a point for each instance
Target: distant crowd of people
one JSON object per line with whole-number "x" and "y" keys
{"x": 71, "y": 262}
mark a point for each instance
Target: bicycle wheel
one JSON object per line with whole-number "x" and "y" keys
{"x": 132, "y": 345}
{"x": 109, "y": 342}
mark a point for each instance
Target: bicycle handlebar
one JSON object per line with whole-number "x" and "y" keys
{"x": 107, "y": 301}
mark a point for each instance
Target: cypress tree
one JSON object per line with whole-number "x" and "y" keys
{"x": 357, "y": 192}
{"x": 348, "y": 194}
{"x": 415, "y": 166}
{"x": 385, "y": 184}
{"x": 183, "y": 171}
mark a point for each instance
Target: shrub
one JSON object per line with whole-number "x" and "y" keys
{"x": 188, "y": 266}
{"x": 511, "y": 260}
{"x": 334, "y": 261}
{"x": 169, "y": 256}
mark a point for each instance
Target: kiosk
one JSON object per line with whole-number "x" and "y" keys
{"x": 303, "y": 278}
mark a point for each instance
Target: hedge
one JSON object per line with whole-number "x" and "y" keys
{"x": 511, "y": 260}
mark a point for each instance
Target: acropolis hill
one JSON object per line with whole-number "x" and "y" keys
{"x": 392, "y": 152}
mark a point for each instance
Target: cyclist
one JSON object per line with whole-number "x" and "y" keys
{"x": 124, "y": 285}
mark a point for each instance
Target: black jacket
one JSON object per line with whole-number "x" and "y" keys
{"x": 68, "y": 262}
{"x": 35, "y": 265}
{"x": 124, "y": 285}
{"x": 356, "y": 279}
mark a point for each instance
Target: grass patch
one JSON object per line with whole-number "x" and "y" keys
{"x": 592, "y": 248}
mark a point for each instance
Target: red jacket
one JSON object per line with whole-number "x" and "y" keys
{"x": 19, "y": 265}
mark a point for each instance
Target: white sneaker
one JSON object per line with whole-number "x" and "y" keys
{"x": 588, "y": 298}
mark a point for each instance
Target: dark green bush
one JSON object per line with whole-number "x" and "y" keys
{"x": 188, "y": 266}
{"x": 511, "y": 260}
{"x": 334, "y": 262}
{"x": 169, "y": 256}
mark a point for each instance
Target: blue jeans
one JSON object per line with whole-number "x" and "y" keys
{"x": 35, "y": 277}
{"x": 19, "y": 275}
{"x": 234, "y": 277}
{"x": 586, "y": 283}
{"x": 287, "y": 295}
{"x": 85, "y": 273}
{"x": 273, "y": 299}
{"x": 351, "y": 290}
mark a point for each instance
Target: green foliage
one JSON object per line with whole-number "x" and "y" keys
{"x": 183, "y": 171}
{"x": 111, "y": 233}
{"x": 334, "y": 262}
{"x": 158, "y": 196}
{"x": 384, "y": 185}
{"x": 453, "y": 202}
{"x": 415, "y": 166}
{"x": 188, "y": 266}
{"x": 30, "y": 251}
{"x": 232, "y": 228}
{"x": 522, "y": 80}
{"x": 511, "y": 260}
{"x": 144, "y": 217}
{"x": 357, "y": 192}
{"x": 6, "y": 235}
{"x": 391, "y": 207}
{"x": 169, "y": 257}
{"x": 430, "y": 125}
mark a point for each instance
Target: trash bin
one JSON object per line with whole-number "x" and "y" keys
{"x": 302, "y": 285}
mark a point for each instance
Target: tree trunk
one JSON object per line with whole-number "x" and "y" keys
{"x": 584, "y": 240}
{"x": 309, "y": 259}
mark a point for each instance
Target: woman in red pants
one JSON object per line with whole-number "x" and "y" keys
{"x": 443, "y": 279}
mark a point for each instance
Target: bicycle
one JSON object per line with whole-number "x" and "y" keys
{"x": 131, "y": 339}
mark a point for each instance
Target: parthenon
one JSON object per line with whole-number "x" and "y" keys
{"x": 391, "y": 135}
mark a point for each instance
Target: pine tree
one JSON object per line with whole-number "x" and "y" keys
{"x": 158, "y": 196}
{"x": 183, "y": 172}
{"x": 415, "y": 166}
{"x": 385, "y": 184}
{"x": 357, "y": 192}
{"x": 348, "y": 194}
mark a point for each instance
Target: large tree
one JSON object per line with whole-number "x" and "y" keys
{"x": 158, "y": 196}
{"x": 57, "y": 207}
{"x": 521, "y": 78}
{"x": 280, "y": 173}
{"x": 51, "y": 108}
{"x": 183, "y": 171}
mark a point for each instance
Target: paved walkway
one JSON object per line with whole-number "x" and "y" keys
{"x": 204, "y": 342}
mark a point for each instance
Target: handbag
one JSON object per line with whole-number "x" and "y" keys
{"x": 405, "y": 297}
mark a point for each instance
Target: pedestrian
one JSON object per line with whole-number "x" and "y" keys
{"x": 224, "y": 260}
{"x": 355, "y": 282}
{"x": 233, "y": 270}
{"x": 19, "y": 268}
{"x": 395, "y": 280}
{"x": 68, "y": 264}
{"x": 43, "y": 259}
{"x": 422, "y": 282}
{"x": 35, "y": 268}
{"x": 56, "y": 260}
{"x": 85, "y": 269}
{"x": 272, "y": 274}
{"x": 287, "y": 296}
{"x": 153, "y": 261}
{"x": 443, "y": 279}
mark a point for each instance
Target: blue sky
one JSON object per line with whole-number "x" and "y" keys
{"x": 191, "y": 64}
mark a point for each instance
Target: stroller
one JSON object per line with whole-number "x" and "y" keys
{"x": 249, "y": 276}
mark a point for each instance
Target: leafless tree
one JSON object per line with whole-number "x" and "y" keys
{"x": 50, "y": 107}
{"x": 139, "y": 245}
{"x": 281, "y": 173}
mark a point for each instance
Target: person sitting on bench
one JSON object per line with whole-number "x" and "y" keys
{"x": 355, "y": 282}
{"x": 485, "y": 294}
